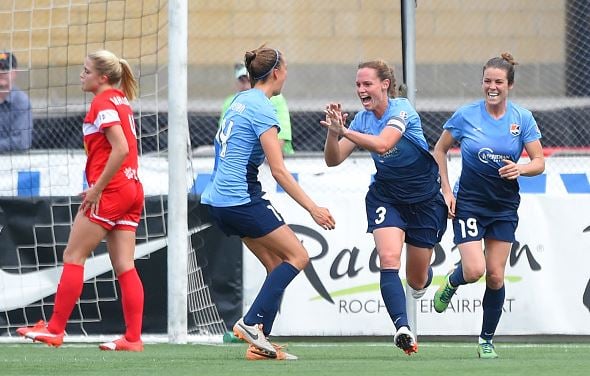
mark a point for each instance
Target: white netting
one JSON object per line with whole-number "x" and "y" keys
{"x": 50, "y": 40}
{"x": 549, "y": 38}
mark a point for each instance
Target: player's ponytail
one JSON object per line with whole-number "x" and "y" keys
{"x": 128, "y": 81}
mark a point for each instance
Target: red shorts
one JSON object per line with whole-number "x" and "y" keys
{"x": 120, "y": 209}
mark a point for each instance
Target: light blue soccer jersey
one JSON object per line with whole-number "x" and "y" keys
{"x": 238, "y": 151}
{"x": 407, "y": 173}
{"x": 485, "y": 143}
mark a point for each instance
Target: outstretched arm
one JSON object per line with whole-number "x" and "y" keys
{"x": 279, "y": 171}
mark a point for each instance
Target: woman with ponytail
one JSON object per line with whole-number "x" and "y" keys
{"x": 111, "y": 206}
{"x": 484, "y": 204}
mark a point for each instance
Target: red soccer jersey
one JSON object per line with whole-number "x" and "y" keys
{"x": 109, "y": 108}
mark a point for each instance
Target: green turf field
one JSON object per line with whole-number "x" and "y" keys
{"x": 315, "y": 359}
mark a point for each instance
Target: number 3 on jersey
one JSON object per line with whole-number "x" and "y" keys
{"x": 222, "y": 136}
{"x": 468, "y": 227}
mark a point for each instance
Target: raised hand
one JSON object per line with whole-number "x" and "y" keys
{"x": 335, "y": 119}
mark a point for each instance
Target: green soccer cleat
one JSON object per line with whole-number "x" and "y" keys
{"x": 485, "y": 350}
{"x": 442, "y": 296}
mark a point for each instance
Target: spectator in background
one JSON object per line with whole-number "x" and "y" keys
{"x": 16, "y": 120}
{"x": 278, "y": 102}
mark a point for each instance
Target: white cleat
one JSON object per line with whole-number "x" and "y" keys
{"x": 405, "y": 340}
{"x": 254, "y": 335}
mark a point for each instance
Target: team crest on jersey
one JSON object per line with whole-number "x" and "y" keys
{"x": 514, "y": 129}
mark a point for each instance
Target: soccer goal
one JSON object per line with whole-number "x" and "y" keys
{"x": 39, "y": 185}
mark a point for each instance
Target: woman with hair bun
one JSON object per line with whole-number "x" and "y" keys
{"x": 484, "y": 204}
{"x": 235, "y": 200}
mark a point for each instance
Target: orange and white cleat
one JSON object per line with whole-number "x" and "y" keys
{"x": 405, "y": 340}
{"x": 40, "y": 333}
{"x": 254, "y": 335}
{"x": 122, "y": 344}
{"x": 254, "y": 353}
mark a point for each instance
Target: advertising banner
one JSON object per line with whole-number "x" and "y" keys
{"x": 547, "y": 274}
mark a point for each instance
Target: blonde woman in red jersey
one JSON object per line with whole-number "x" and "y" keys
{"x": 111, "y": 206}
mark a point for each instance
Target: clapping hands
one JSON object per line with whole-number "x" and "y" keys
{"x": 335, "y": 119}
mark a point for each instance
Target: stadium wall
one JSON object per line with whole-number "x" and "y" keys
{"x": 220, "y": 32}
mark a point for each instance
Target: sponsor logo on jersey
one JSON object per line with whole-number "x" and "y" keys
{"x": 487, "y": 155}
{"x": 389, "y": 153}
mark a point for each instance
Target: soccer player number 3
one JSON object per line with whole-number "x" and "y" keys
{"x": 381, "y": 214}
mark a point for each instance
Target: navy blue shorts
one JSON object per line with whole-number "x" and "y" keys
{"x": 252, "y": 220}
{"x": 468, "y": 227}
{"x": 424, "y": 222}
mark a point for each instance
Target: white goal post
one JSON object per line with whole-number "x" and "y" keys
{"x": 177, "y": 156}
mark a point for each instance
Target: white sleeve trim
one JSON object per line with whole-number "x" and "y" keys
{"x": 106, "y": 117}
{"x": 397, "y": 123}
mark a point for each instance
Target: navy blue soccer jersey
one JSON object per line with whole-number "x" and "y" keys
{"x": 238, "y": 151}
{"x": 485, "y": 143}
{"x": 407, "y": 173}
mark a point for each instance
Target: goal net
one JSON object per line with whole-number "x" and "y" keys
{"x": 41, "y": 179}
